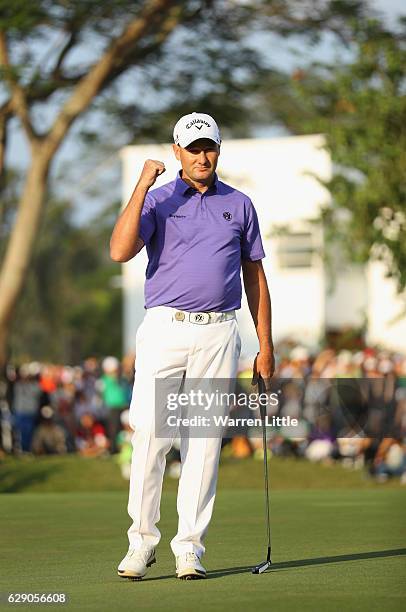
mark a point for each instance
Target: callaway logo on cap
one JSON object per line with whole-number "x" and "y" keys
{"x": 194, "y": 126}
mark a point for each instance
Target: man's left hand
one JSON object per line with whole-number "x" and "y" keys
{"x": 264, "y": 366}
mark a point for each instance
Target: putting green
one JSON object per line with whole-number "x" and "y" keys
{"x": 341, "y": 549}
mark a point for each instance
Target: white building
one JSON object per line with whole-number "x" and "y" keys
{"x": 277, "y": 175}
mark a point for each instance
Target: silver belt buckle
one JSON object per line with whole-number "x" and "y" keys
{"x": 200, "y": 318}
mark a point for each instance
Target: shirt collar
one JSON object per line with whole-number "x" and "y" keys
{"x": 182, "y": 187}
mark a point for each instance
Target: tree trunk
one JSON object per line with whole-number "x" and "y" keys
{"x": 158, "y": 18}
{"x": 18, "y": 255}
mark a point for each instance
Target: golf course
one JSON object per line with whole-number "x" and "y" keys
{"x": 338, "y": 539}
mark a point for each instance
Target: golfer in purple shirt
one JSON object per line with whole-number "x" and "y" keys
{"x": 199, "y": 233}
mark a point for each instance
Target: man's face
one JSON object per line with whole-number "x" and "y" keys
{"x": 199, "y": 159}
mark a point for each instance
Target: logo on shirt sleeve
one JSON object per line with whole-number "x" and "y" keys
{"x": 227, "y": 216}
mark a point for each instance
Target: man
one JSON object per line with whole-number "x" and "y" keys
{"x": 198, "y": 232}
{"x": 115, "y": 398}
{"x": 49, "y": 437}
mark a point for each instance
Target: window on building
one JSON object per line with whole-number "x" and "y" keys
{"x": 296, "y": 250}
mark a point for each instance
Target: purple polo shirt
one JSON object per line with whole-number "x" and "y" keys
{"x": 195, "y": 243}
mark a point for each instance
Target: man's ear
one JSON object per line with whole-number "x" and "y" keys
{"x": 176, "y": 150}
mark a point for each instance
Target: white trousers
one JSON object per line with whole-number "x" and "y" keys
{"x": 167, "y": 348}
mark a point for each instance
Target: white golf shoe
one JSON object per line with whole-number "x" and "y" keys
{"x": 136, "y": 563}
{"x": 188, "y": 567}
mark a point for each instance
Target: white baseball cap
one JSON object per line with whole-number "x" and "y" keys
{"x": 194, "y": 126}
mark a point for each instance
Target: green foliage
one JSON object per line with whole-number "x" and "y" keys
{"x": 21, "y": 18}
{"x": 207, "y": 61}
{"x": 361, "y": 108}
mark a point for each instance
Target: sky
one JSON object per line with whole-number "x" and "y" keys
{"x": 390, "y": 8}
{"x": 90, "y": 173}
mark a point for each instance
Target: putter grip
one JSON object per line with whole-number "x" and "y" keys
{"x": 261, "y": 385}
{"x": 262, "y": 390}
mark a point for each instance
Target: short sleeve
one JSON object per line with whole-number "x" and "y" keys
{"x": 148, "y": 219}
{"x": 251, "y": 244}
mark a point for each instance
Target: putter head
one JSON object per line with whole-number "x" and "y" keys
{"x": 262, "y": 567}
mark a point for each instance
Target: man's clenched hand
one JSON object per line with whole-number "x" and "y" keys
{"x": 150, "y": 172}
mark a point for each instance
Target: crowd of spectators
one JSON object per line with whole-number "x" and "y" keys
{"x": 350, "y": 407}
{"x": 55, "y": 409}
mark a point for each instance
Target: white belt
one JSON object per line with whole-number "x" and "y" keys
{"x": 203, "y": 318}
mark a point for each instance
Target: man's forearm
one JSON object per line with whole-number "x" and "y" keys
{"x": 259, "y": 303}
{"x": 125, "y": 241}
{"x": 126, "y": 231}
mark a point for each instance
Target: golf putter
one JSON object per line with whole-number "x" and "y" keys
{"x": 262, "y": 567}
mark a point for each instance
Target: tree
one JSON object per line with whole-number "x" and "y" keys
{"x": 360, "y": 106}
{"x": 57, "y": 57}
{"x": 70, "y": 307}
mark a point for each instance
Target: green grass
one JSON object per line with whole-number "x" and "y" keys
{"x": 333, "y": 550}
{"x": 339, "y": 541}
{"x": 73, "y": 473}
